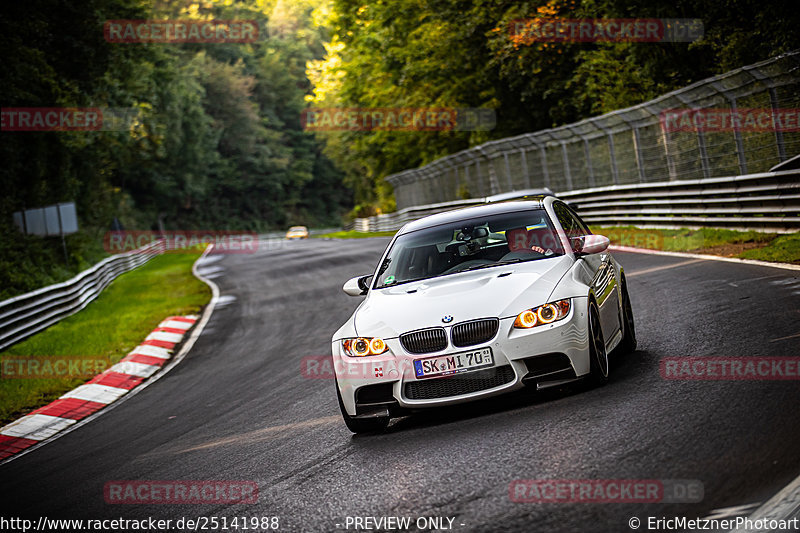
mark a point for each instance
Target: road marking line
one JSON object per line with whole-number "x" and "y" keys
{"x": 785, "y": 338}
{"x": 732, "y": 512}
{"x": 663, "y": 267}
{"x": 779, "y": 507}
{"x": 786, "y": 266}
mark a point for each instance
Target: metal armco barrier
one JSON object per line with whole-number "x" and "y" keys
{"x": 630, "y": 147}
{"x": 769, "y": 201}
{"x": 30, "y": 313}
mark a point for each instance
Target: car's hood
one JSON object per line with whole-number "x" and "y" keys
{"x": 501, "y": 291}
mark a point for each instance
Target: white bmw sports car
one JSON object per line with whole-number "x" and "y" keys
{"x": 478, "y": 302}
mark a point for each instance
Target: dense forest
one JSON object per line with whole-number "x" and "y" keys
{"x": 218, "y": 142}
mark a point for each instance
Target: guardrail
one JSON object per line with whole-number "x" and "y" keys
{"x": 30, "y": 313}
{"x": 769, "y": 201}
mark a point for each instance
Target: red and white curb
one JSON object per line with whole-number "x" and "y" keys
{"x": 141, "y": 363}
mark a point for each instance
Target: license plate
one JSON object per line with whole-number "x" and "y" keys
{"x": 453, "y": 363}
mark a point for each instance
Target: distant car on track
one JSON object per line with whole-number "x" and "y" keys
{"x": 478, "y": 302}
{"x": 297, "y": 232}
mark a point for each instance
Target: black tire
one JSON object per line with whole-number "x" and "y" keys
{"x": 628, "y": 343}
{"x": 598, "y": 356}
{"x": 361, "y": 425}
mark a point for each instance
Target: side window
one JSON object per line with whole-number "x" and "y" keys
{"x": 566, "y": 220}
{"x": 579, "y": 221}
{"x": 573, "y": 226}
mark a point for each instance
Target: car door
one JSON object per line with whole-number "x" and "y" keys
{"x": 599, "y": 270}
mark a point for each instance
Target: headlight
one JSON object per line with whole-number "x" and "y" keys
{"x": 364, "y": 346}
{"x": 544, "y": 314}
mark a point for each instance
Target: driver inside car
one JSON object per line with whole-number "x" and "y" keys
{"x": 533, "y": 240}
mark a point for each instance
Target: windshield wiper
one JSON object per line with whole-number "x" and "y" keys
{"x": 509, "y": 261}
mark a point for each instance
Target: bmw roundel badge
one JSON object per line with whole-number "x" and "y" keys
{"x": 447, "y": 319}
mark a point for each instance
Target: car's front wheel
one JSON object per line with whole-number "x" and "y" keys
{"x": 361, "y": 425}
{"x": 598, "y": 357}
{"x": 628, "y": 343}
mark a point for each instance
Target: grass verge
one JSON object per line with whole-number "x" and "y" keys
{"x": 104, "y": 332}
{"x": 722, "y": 242}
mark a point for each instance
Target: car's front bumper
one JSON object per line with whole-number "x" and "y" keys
{"x": 543, "y": 355}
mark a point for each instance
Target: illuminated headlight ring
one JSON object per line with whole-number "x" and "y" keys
{"x": 544, "y": 314}
{"x": 364, "y": 346}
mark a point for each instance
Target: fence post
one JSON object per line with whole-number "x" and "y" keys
{"x": 494, "y": 187}
{"x": 701, "y": 145}
{"x": 637, "y": 147}
{"x": 737, "y": 134}
{"x": 545, "y": 170}
{"x": 567, "y": 172}
{"x": 588, "y": 156}
{"x": 508, "y": 172}
{"x": 525, "y": 168}
{"x": 773, "y": 100}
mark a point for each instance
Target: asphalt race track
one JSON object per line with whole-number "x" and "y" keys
{"x": 238, "y": 408}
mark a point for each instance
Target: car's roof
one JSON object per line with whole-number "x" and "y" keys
{"x": 519, "y": 195}
{"x": 293, "y": 228}
{"x": 448, "y": 217}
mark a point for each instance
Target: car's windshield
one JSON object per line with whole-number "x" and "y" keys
{"x": 468, "y": 245}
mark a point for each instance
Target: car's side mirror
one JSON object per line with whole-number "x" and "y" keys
{"x": 357, "y": 286}
{"x": 589, "y": 244}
